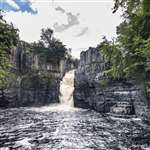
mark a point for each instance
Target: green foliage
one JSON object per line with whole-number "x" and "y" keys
{"x": 113, "y": 54}
{"x": 46, "y": 37}
{"x": 8, "y": 39}
{"x": 129, "y": 54}
{"x": 48, "y": 48}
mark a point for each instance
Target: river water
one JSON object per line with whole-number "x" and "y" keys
{"x": 53, "y": 128}
{"x": 63, "y": 127}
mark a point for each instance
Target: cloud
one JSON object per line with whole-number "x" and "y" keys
{"x": 30, "y": 25}
{"x": 17, "y": 5}
{"x": 72, "y": 20}
{"x": 60, "y": 9}
{"x": 83, "y": 31}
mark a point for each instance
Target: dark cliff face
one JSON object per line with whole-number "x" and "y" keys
{"x": 93, "y": 89}
{"x": 38, "y": 91}
{"x": 34, "y": 83}
{"x": 30, "y": 91}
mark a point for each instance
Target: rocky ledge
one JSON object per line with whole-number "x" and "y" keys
{"x": 93, "y": 89}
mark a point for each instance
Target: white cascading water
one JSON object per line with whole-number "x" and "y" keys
{"x": 67, "y": 88}
{"x": 66, "y": 96}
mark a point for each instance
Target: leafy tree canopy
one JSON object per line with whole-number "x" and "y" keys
{"x": 49, "y": 48}
{"x": 8, "y": 39}
{"x": 129, "y": 53}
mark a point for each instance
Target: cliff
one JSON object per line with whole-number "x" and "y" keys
{"x": 34, "y": 81}
{"x": 95, "y": 90}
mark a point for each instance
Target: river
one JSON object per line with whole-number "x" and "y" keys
{"x": 63, "y": 127}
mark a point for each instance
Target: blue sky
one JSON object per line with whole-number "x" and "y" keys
{"x": 79, "y": 24}
{"x": 17, "y": 5}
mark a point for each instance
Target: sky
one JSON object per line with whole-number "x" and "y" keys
{"x": 79, "y": 24}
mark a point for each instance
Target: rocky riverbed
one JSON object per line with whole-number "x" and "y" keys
{"x": 60, "y": 128}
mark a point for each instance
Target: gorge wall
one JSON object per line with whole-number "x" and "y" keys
{"x": 95, "y": 90}
{"x": 34, "y": 82}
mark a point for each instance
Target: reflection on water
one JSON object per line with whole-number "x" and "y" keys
{"x": 56, "y": 128}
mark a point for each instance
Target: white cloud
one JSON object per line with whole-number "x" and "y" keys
{"x": 82, "y": 32}
{"x": 12, "y": 3}
{"x": 72, "y": 20}
{"x": 97, "y": 16}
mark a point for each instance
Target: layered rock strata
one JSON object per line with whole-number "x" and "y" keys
{"x": 95, "y": 90}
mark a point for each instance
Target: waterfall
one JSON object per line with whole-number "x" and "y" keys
{"x": 67, "y": 88}
{"x": 65, "y": 97}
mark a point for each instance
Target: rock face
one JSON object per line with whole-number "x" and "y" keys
{"x": 31, "y": 92}
{"x": 93, "y": 89}
{"x": 38, "y": 91}
{"x": 35, "y": 82}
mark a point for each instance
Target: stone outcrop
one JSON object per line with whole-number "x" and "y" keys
{"x": 95, "y": 90}
{"x": 31, "y": 91}
{"x": 35, "y": 82}
{"x": 38, "y": 91}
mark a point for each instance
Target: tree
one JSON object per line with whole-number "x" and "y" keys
{"x": 130, "y": 57}
{"x": 134, "y": 37}
{"x": 114, "y": 56}
{"x": 46, "y": 37}
{"x": 49, "y": 48}
{"x": 8, "y": 39}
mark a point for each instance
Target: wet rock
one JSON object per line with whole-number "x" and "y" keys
{"x": 35, "y": 82}
{"x": 93, "y": 89}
